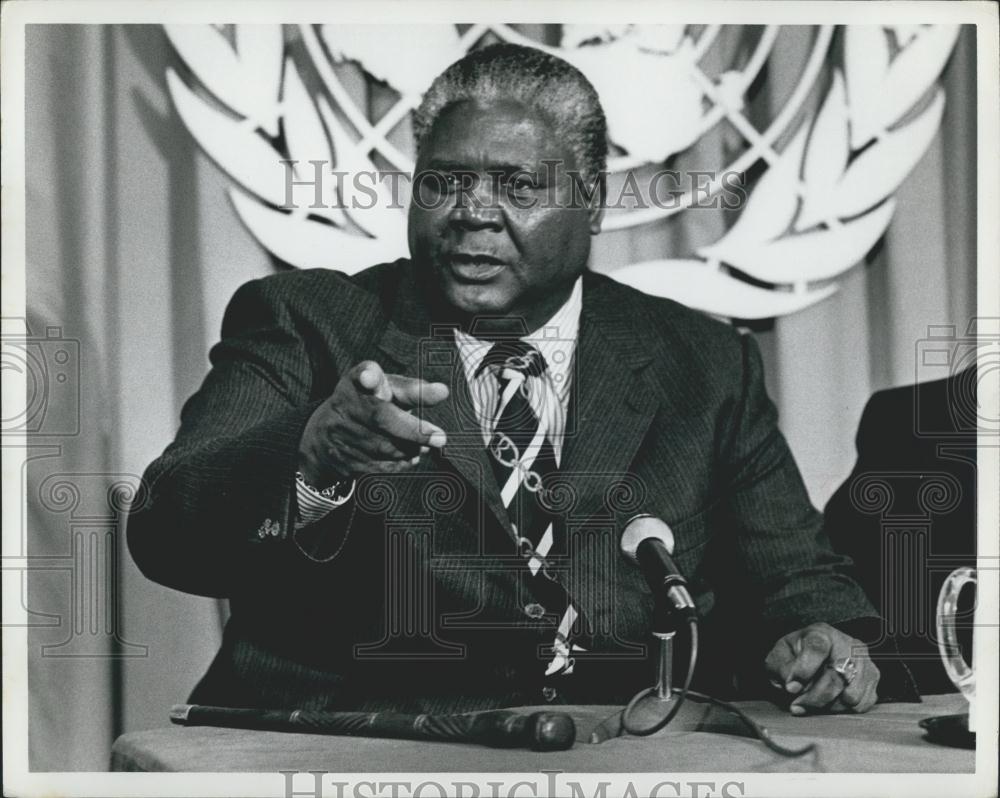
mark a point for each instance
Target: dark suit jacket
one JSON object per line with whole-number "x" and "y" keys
{"x": 411, "y": 595}
{"x": 907, "y": 513}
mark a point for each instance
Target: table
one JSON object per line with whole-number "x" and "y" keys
{"x": 700, "y": 739}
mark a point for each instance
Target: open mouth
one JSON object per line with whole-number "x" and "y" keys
{"x": 474, "y": 267}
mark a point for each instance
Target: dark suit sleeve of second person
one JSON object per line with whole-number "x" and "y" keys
{"x": 221, "y": 495}
{"x": 785, "y": 562}
{"x": 852, "y": 532}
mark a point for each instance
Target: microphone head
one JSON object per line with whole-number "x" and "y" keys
{"x": 642, "y": 527}
{"x": 551, "y": 731}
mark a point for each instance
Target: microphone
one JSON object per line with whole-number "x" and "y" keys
{"x": 648, "y": 542}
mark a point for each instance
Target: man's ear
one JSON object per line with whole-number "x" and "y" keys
{"x": 595, "y": 209}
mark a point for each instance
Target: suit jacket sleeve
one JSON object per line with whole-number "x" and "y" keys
{"x": 784, "y": 562}
{"x": 852, "y": 532}
{"x": 221, "y": 495}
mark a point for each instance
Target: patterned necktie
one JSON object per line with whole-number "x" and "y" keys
{"x": 524, "y": 464}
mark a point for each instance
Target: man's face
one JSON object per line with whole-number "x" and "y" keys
{"x": 491, "y": 216}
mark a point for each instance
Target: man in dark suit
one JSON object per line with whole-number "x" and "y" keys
{"x": 907, "y": 513}
{"x": 411, "y": 482}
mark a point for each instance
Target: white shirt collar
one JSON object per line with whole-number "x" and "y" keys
{"x": 556, "y": 340}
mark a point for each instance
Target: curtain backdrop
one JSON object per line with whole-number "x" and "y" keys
{"x": 133, "y": 250}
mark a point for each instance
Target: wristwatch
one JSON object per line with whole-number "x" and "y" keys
{"x": 339, "y": 492}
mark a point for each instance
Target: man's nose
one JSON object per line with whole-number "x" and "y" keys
{"x": 476, "y": 207}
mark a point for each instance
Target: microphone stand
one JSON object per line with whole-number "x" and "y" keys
{"x": 664, "y": 680}
{"x": 665, "y": 621}
{"x": 664, "y": 630}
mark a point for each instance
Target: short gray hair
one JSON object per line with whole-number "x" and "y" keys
{"x": 553, "y": 88}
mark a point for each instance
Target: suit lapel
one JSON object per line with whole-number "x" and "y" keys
{"x": 611, "y": 405}
{"x": 416, "y": 348}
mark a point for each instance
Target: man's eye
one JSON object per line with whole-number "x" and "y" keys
{"x": 521, "y": 183}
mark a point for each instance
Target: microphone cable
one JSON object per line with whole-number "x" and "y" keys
{"x": 760, "y": 732}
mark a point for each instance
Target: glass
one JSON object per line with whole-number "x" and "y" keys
{"x": 959, "y": 671}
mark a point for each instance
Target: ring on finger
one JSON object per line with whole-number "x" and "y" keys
{"x": 846, "y": 668}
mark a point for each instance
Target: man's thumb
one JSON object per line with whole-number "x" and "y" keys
{"x": 371, "y": 380}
